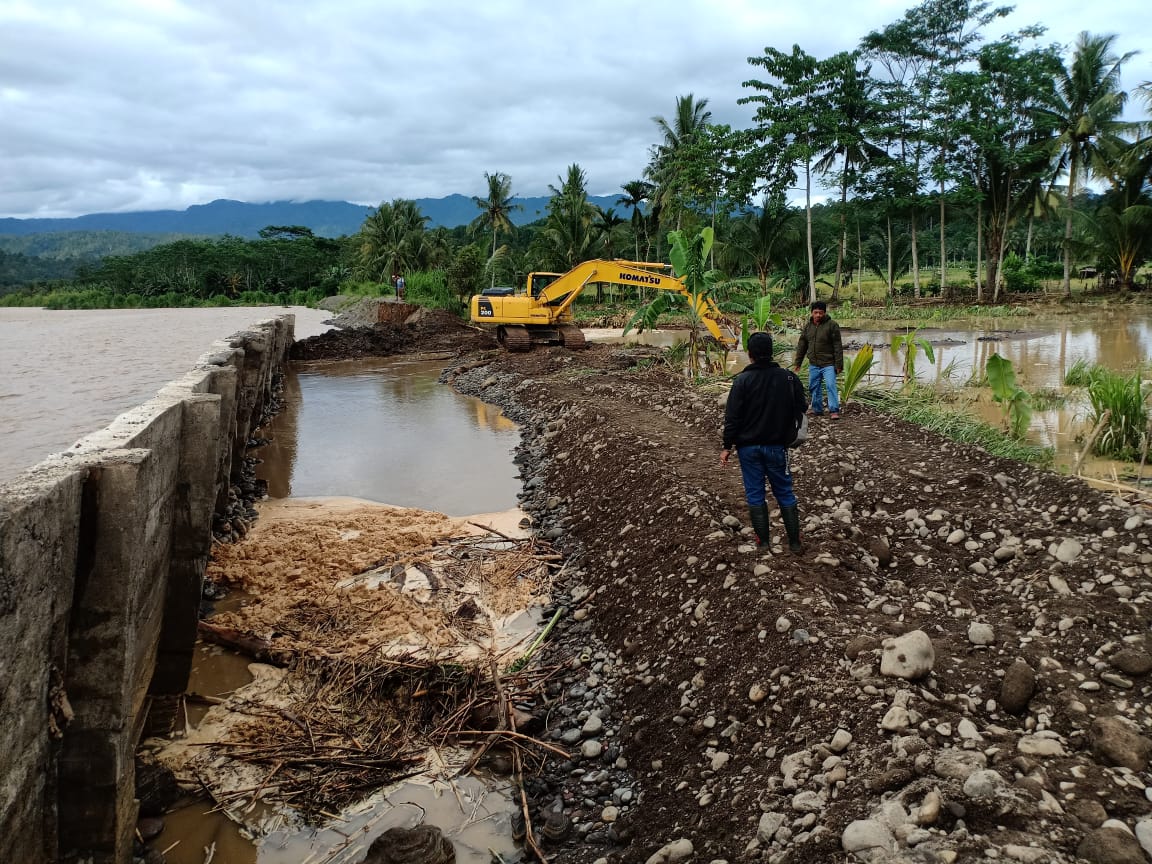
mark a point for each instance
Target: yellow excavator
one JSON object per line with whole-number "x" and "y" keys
{"x": 542, "y": 311}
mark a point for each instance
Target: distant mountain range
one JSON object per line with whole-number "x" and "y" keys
{"x": 325, "y": 218}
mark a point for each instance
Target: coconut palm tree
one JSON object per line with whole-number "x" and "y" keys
{"x": 495, "y": 210}
{"x": 636, "y": 193}
{"x": 763, "y": 240}
{"x": 567, "y": 233}
{"x": 606, "y": 224}
{"x": 392, "y": 240}
{"x": 689, "y": 121}
{"x": 1085, "y": 113}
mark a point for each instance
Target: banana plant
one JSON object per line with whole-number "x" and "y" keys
{"x": 760, "y": 320}
{"x": 689, "y": 257}
{"x": 855, "y": 369}
{"x": 911, "y": 344}
{"x": 1015, "y": 402}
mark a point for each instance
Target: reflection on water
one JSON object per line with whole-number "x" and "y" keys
{"x": 476, "y": 817}
{"x": 1041, "y": 350}
{"x": 385, "y": 430}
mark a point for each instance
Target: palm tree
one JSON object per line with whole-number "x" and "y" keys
{"x": 1124, "y": 221}
{"x": 607, "y": 224}
{"x": 690, "y": 120}
{"x": 392, "y": 240}
{"x": 636, "y": 193}
{"x": 1085, "y": 114}
{"x": 762, "y": 240}
{"x": 495, "y": 210}
{"x": 567, "y": 233}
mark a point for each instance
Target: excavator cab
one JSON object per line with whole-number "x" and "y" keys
{"x": 537, "y": 282}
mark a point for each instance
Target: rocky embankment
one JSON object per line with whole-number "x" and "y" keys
{"x": 955, "y": 669}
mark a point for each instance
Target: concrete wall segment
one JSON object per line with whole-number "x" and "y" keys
{"x": 102, "y": 553}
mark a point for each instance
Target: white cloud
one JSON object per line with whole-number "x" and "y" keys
{"x": 120, "y": 105}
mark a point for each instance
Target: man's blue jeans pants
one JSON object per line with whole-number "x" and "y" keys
{"x": 827, "y": 376}
{"x": 761, "y": 465}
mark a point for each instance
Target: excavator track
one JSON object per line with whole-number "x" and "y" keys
{"x": 571, "y": 337}
{"x": 514, "y": 338}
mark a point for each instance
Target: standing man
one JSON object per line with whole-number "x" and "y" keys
{"x": 400, "y": 286}
{"x": 764, "y": 410}
{"x": 820, "y": 343}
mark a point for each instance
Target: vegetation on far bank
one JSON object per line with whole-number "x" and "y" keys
{"x": 961, "y": 169}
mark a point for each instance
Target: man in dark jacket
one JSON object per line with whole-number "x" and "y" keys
{"x": 764, "y": 410}
{"x": 820, "y": 343}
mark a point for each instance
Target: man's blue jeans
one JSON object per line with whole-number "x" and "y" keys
{"x": 827, "y": 375}
{"x": 760, "y": 465}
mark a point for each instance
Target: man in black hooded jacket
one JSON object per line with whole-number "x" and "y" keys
{"x": 764, "y": 410}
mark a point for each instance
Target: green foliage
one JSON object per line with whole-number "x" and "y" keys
{"x": 690, "y": 263}
{"x": 1019, "y": 276}
{"x": 1081, "y": 373}
{"x": 430, "y": 288}
{"x": 648, "y": 316}
{"x": 855, "y": 368}
{"x": 922, "y": 406}
{"x": 1124, "y": 398}
{"x": 466, "y": 272}
{"x": 1015, "y": 402}
{"x": 761, "y": 319}
{"x": 911, "y": 344}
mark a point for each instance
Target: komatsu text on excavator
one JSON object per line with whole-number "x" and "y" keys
{"x": 542, "y": 312}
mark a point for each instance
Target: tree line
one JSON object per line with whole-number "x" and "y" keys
{"x": 960, "y": 166}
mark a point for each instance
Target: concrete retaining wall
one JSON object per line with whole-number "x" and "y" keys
{"x": 102, "y": 556}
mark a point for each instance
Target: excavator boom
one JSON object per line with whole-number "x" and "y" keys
{"x": 542, "y": 312}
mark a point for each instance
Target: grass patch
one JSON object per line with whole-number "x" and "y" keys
{"x": 1124, "y": 398}
{"x": 921, "y": 407}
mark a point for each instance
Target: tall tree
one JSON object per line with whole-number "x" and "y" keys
{"x": 1124, "y": 220}
{"x": 857, "y": 119}
{"x": 495, "y": 210}
{"x": 665, "y": 169}
{"x": 567, "y": 234}
{"x": 794, "y": 123}
{"x": 636, "y": 194}
{"x": 764, "y": 240}
{"x": 392, "y": 239}
{"x": 1085, "y": 113}
{"x": 1001, "y": 134}
{"x": 928, "y": 41}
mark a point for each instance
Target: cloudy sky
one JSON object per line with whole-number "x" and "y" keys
{"x": 114, "y": 105}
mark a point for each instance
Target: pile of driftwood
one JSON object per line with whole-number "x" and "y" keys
{"x": 348, "y": 722}
{"x": 357, "y": 725}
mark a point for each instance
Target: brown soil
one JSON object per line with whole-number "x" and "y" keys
{"x": 729, "y": 669}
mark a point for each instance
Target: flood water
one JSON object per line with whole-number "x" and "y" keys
{"x": 1041, "y": 351}
{"x": 1041, "y": 348}
{"x": 387, "y": 431}
{"x": 65, "y": 374}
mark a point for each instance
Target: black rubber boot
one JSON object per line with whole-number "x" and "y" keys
{"x": 758, "y": 516}
{"x": 791, "y": 517}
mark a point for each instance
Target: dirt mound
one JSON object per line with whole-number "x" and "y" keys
{"x": 747, "y": 703}
{"x": 427, "y": 331}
